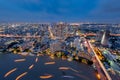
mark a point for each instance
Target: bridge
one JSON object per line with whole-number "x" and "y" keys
{"x": 18, "y": 36}
{"x": 51, "y": 35}
{"x": 93, "y": 34}
{"x": 100, "y": 67}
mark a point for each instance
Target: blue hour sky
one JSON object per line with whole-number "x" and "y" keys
{"x": 60, "y": 10}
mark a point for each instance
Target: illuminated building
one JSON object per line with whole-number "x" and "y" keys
{"x": 60, "y": 30}
{"x": 105, "y": 38}
{"x": 99, "y": 36}
{"x": 55, "y": 45}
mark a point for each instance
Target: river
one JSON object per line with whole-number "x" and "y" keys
{"x": 77, "y": 71}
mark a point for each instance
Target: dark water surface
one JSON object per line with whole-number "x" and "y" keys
{"x": 84, "y": 72}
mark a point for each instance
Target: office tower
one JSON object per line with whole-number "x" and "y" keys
{"x": 60, "y": 30}
{"x": 105, "y": 38}
{"x": 99, "y": 36}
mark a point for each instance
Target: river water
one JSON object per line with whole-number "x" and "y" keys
{"x": 78, "y": 71}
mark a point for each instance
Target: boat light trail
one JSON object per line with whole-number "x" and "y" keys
{"x": 10, "y": 72}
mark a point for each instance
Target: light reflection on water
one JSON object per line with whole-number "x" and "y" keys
{"x": 84, "y": 72}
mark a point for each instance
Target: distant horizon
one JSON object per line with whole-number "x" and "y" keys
{"x": 44, "y": 22}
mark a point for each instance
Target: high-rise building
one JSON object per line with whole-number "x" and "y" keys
{"x": 105, "y": 38}
{"x": 99, "y": 36}
{"x": 60, "y": 30}
{"x": 55, "y": 45}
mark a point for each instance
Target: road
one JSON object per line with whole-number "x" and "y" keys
{"x": 99, "y": 63}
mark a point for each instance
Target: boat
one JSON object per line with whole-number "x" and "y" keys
{"x": 46, "y": 76}
{"x": 47, "y": 63}
{"x": 21, "y": 75}
{"x": 64, "y": 68}
{"x": 36, "y": 60}
{"x": 19, "y": 60}
{"x": 31, "y": 66}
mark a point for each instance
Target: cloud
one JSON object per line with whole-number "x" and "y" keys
{"x": 58, "y": 8}
{"x": 68, "y": 10}
{"x": 112, "y": 6}
{"x": 106, "y": 11}
{"x": 58, "y": 5}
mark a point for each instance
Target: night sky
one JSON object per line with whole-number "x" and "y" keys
{"x": 60, "y": 10}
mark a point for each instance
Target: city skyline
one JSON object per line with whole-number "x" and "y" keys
{"x": 107, "y": 11}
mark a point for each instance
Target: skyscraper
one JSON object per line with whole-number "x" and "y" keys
{"x": 99, "y": 36}
{"x": 105, "y": 38}
{"x": 60, "y": 30}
